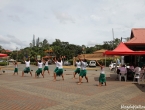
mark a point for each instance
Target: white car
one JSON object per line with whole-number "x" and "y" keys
{"x": 112, "y": 66}
{"x": 92, "y": 63}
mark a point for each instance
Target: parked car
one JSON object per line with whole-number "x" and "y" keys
{"x": 92, "y": 63}
{"x": 66, "y": 63}
{"x": 112, "y": 66}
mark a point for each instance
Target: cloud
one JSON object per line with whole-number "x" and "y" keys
{"x": 64, "y": 17}
{"x": 11, "y": 42}
{"x": 92, "y": 43}
{"x": 14, "y": 18}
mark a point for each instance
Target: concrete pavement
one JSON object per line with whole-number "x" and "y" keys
{"x": 28, "y": 93}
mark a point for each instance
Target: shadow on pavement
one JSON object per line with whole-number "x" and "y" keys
{"x": 140, "y": 86}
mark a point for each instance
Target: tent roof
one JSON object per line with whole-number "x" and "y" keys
{"x": 122, "y": 49}
{"x": 3, "y": 55}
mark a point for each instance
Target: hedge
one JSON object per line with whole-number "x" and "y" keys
{"x": 3, "y": 63}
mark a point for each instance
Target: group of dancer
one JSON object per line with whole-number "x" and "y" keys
{"x": 81, "y": 65}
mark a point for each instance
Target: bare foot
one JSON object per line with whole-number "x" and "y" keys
{"x": 79, "y": 83}
{"x": 54, "y": 80}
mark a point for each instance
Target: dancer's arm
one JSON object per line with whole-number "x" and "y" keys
{"x": 99, "y": 63}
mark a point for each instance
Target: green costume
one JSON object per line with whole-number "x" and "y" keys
{"x": 77, "y": 70}
{"x": 39, "y": 71}
{"x": 83, "y": 73}
{"x": 59, "y": 72}
{"x": 102, "y": 78}
{"x": 27, "y": 70}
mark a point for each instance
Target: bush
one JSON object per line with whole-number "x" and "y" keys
{"x": 3, "y": 63}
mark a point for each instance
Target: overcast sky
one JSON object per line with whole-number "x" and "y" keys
{"x": 80, "y": 22}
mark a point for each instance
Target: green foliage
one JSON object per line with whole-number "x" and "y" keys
{"x": 60, "y": 48}
{"x": 3, "y": 63}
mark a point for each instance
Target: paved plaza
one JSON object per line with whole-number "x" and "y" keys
{"x": 28, "y": 93}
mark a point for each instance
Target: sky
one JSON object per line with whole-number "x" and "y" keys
{"x": 79, "y": 22}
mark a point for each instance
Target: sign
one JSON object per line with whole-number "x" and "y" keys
{"x": 38, "y": 57}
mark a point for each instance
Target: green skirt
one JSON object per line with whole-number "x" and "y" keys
{"x": 102, "y": 78}
{"x": 39, "y": 71}
{"x": 16, "y": 70}
{"x": 46, "y": 68}
{"x": 77, "y": 70}
{"x": 83, "y": 73}
{"x": 59, "y": 72}
{"x": 56, "y": 69}
{"x": 27, "y": 70}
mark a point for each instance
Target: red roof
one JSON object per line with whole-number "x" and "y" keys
{"x": 7, "y": 50}
{"x": 122, "y": 49}
{"x": 137, "y": 36}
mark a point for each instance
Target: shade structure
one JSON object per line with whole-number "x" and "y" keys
{"x": 3, "y": 55}
{"x": 122, "y": 49}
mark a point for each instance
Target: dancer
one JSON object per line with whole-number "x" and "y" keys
{"x": 59, "y": 71}
{"x": 27, "y": 68}
{"x": 55, "y": 61}
{"x": 16, "y": 67}
{"x": 102, "y": 77}
{"x": 46, "y": 67}
{"x": 83, "y": 71}
{"x": 78, "y": 65}
{"x": 39, "y": 70}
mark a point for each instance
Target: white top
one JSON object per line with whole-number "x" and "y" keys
{"x": 102, "y": 71}
{"x": 16, "y": 66}
{"x": 137, "y": 70}
{"x": 83, "y": 65}
{"x": 78, "y": 64}
{"x": 46, "y": 63}
{"x": 27, "y": 63}
{"x": 40, "y": 65}
{"x": 60, "y": 65}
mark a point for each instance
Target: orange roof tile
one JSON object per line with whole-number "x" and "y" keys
{"x": 137, "y": 36}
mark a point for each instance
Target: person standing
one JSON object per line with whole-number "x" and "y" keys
{"x": 39, "y": 70}
{"x": 83, "y": 72}
{"x": 78, "y": 65}
{"x": 27, "y": 68}
{"x": 16, "y": 67}
{"x": 46, "y": 68}
{"x": 59, "y": 71}
{"x": 102, "y": 77}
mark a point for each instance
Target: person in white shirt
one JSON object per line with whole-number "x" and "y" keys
{"x": 83, "y": 72}
{"x": 59, "y": 71}
{"x": 39, "y": 70}
{"x": 137, "y": 71}
{"x": 16, "y": 67}
{"x": 27, "y": 68}
{"x": 78, "y": 66}
{"x": 102, "y": 77}
{"x": 46, "y": 68}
